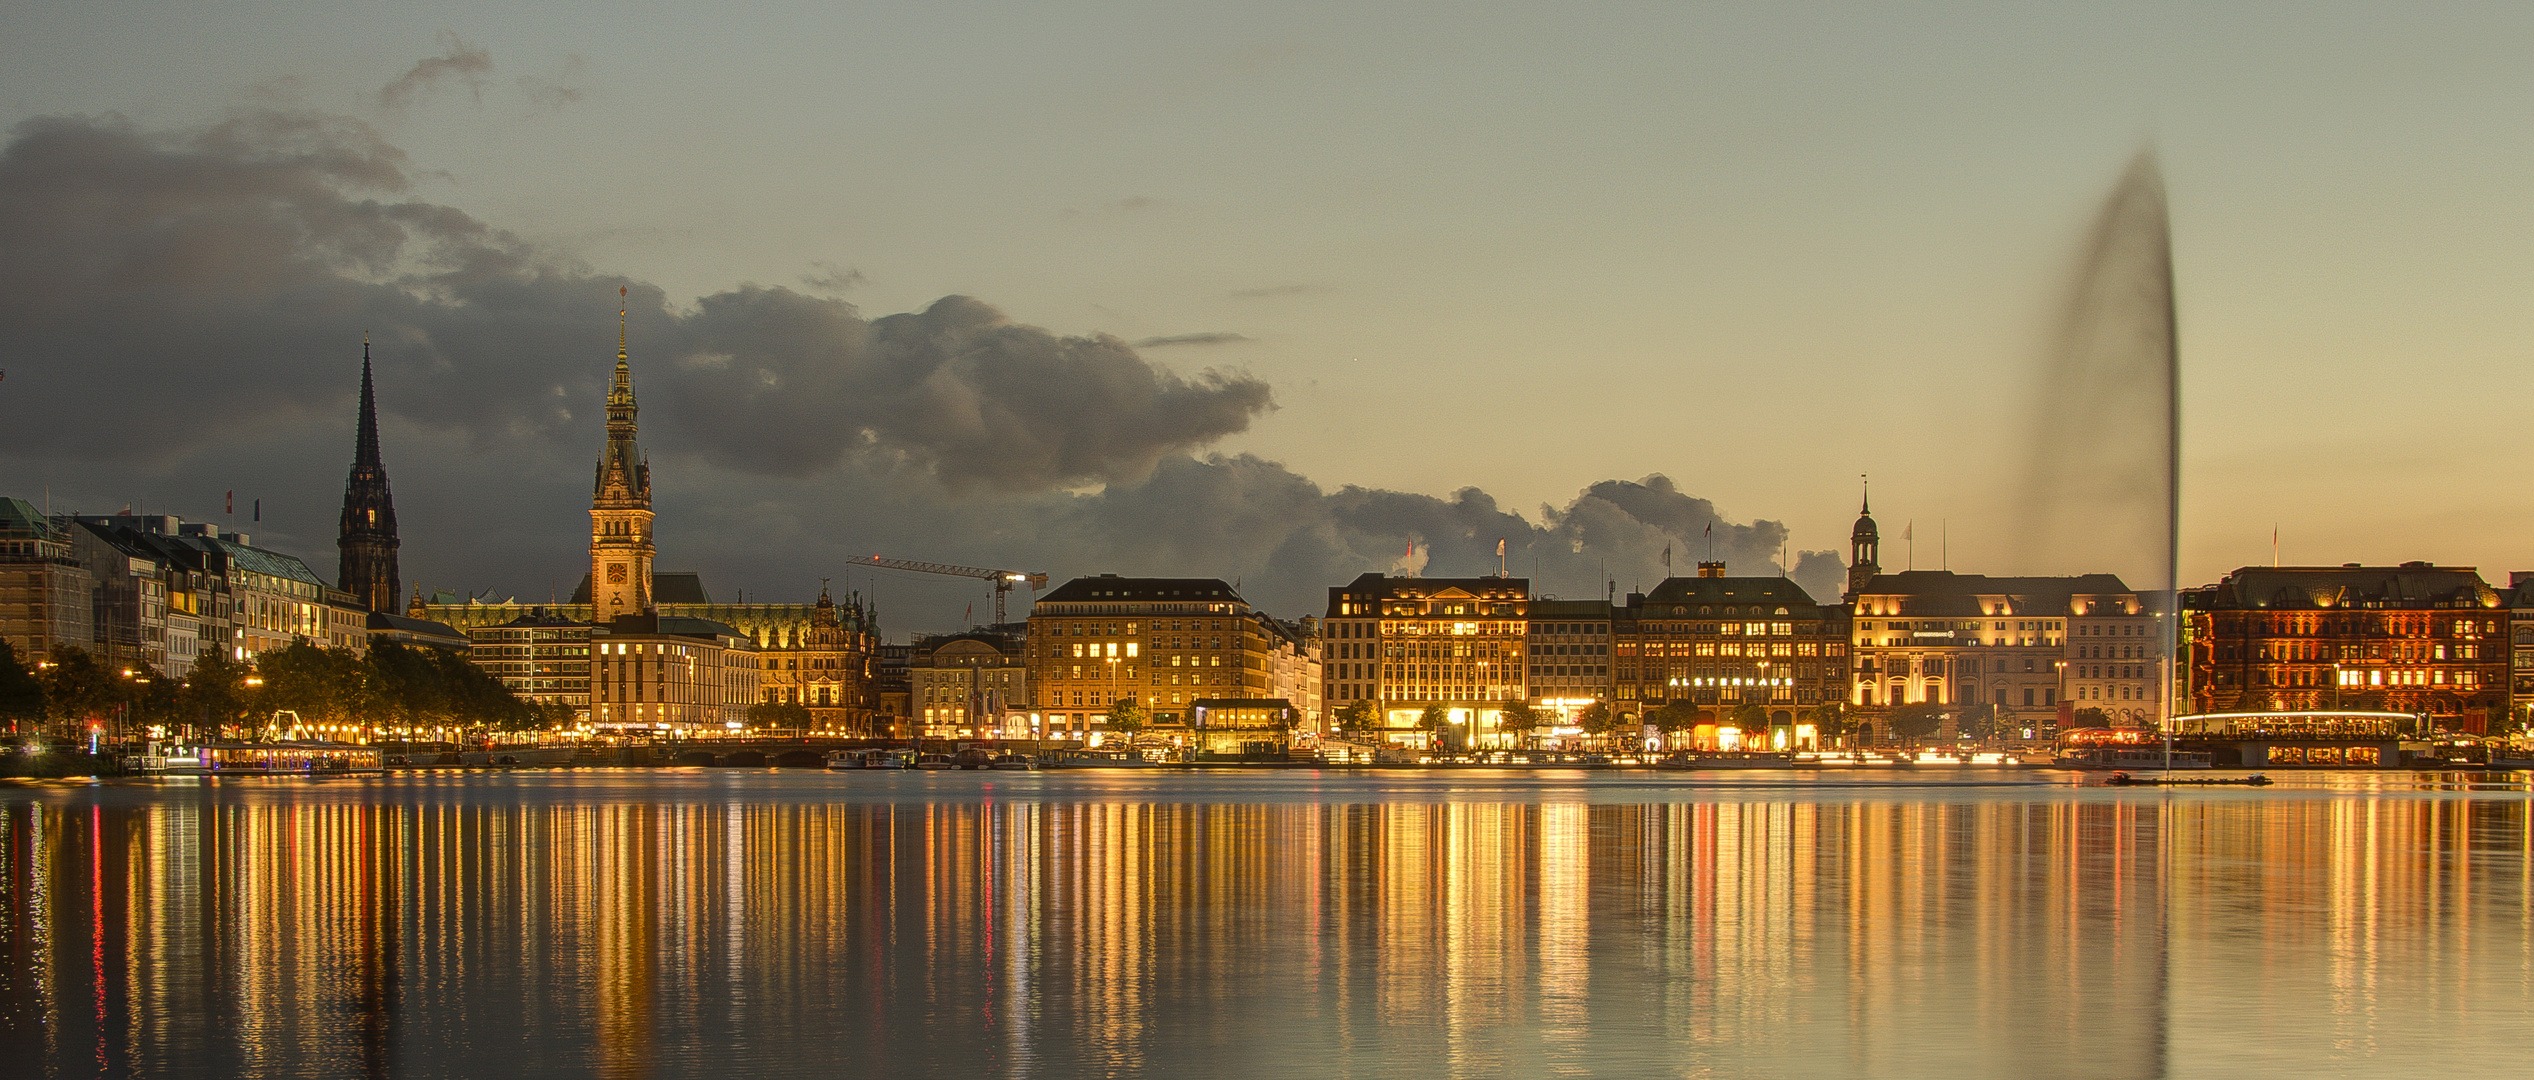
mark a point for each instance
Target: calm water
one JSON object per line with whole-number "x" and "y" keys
{"x": 686, "y": 923}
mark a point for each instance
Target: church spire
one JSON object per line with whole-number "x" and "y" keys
{"x": 620, "y": 503}
{"x": 366, "y": 536}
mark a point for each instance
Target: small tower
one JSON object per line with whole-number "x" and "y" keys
{"x": 1864, "y": 544}
{"x": 620, "y": 505}
{"x": 366, "y": 538}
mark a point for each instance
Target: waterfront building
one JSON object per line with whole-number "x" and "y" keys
{"x": 1406, "y": 643}
{"x": 892, "y": 690}
{"x": 43, "y": 589}
{"x": 1164, "y": 641}
{"x": 2520, "y": 605}
{"x": 1720, "y": 643}
{"x": 541, "y": 656}
{"x": 669, "y": 675}
{"x": 825, "y": 667}
{"x": 365, "y": 538}
{"x": 1295, "y": 666}
{"x": 2415, "y": 638}
{"x": 970, "y": 685}
{"x": 1570, "y": 645}
{"x": 2033, "y": 648}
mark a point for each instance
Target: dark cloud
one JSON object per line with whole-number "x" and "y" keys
{"x": 1190, "y": 339}
{"x": 468, "y": 64}
{"x": 215, "y": 281}
{"x": 827, "y": 277}
{"x": 180, "y": 316}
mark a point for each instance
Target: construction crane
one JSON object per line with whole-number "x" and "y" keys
{"x": 1002, "y": 579}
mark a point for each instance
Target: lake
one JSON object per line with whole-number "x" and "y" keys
{"x": 694, "y": 922}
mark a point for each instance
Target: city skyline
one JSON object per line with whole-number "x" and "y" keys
{"x": 487, "y": 400}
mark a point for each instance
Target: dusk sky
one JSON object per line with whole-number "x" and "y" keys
{"x": 1369, "y": 254}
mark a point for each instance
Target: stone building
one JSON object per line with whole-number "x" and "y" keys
{"x": 541, "y": 656}
{"x": 2019, "y": 644}
{"x": 43, "y": 589}
{"x": 2415, "y": 638}
{"x": 1163, "y": 641}
{"x": 1407, "y": 643}
{"x": 1719, "y": 643}
{"x": 669, "y": 675}
{"x": 969, "y": 685}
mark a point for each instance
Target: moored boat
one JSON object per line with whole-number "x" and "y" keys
{"x": 1012, "y": 762}
{"x": 1098, "y": 759}
{"x": 934, "y": 761}
{"x": 256, "y": 759}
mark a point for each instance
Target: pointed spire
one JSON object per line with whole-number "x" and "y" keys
{"x": 365, "y": 452}
{"x": 1865, "y": 508}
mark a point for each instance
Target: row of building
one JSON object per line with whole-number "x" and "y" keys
{"x": 640, "y": 649}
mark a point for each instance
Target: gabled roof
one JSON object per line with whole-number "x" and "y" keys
{"x": 1729, "y": 590}
{"x": 1942, "y": 593}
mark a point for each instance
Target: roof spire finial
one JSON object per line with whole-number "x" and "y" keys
{"x": 1865, "y": 506}
{"x": 620, "y": 323}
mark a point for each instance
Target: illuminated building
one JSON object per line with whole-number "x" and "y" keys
{"x": 542, "y": 657}
{"x": 1238, "y": 728}
{"x": 620, "y": 507}
{"x": 366, "y": 535}
{"x": 2036, "y": 648}
{"x": 671, "y": 675}
{"x": 1569, "y": 644}
{"x": 43, "y": 589}
{"x": 2415, "y": 638}
{"x": 1163, "y": 641}
{"x": 1721, "y": 642}
{"x": 1407, "y": 643}
{"x": 969, "y": 685}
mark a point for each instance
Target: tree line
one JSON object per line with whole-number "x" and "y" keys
{"x": 389, "y": 685}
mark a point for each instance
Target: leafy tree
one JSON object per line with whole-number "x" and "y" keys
{"x": 1979, "y": 721}
{"x": 21, "y": 695}
{"x": 1518, "y": 718}
{"x": 1671, "y": 718}
{"x": 1829, "y": 720}
{"x": 556, "y": 715}
{"x": 1598, "y": 719}
{"x": 77, "y": 688}
{"x": 778, "y": 714}
{"x": 215, "y": 693}
{"x": 1359, "y": 716}
{"x": 1749, "y": 716}
{"x": 1916, "y": 720}
{"x": 1127, "y": 717}
{"x": 1435, "y": 721}
{"x": 301, "y": 679}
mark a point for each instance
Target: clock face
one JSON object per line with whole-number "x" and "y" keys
{"x": 616, "y": 574}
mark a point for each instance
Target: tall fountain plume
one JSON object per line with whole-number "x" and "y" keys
{"x": 2104, "y": 489}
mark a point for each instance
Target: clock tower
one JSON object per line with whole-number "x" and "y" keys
{"x": 620, "y": 506}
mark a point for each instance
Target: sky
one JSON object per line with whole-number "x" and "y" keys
{"x": 1278, "y": 293}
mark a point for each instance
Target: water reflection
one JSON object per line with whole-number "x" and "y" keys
{"x": 699, "y": 924}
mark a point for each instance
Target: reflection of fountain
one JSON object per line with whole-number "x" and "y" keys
{"x": 2103, "y": 490}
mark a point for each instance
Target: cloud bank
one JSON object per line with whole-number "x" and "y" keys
{"x": 181, "y": 315}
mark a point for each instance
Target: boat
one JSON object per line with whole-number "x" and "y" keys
{"x": 933, "y": 761}
{"x": 1098, "y": 759}
{"x": 2135, "y": 749}
{"x": 255, "y": 759}
{"x": 1012, "y": 761}
{"x": 2123, "y": 779}
{"x": 846, "y": 759}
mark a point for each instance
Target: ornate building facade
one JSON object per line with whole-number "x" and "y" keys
{"x": 366, "y": 538}
{"x": 2416, "y": 638}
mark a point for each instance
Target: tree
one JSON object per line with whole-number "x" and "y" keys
{"x": 1598, "y": 720}
{"x": 1518, "y": 718}
{"x": 1127, "y": 716}
{"x": 1434, "y": 721}
{"x": 1829, "y": 720}
{"x": 1978, "y": 721}
{"x": 1672, "y": 718}
{"x": 215, "y": 694}
{"x": 77, "y": 688}
{"x": 2089, "y": 716}
{"x": 1748, "y": 717}
{"x": 1359, "y": 716}
{"x": 1916, "y": 720}
{"x": 21, "y": 696}
{"x": 778, "y": 714}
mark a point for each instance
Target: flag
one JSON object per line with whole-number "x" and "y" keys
{"x": 259, "y": 509}
{"x": 1500, "y": 548}
{"x": 232, "y": 503}
{"x": 1711, "y": 530}
{"x": 1906, "y": 530}
{"x": 1667, "y": 556}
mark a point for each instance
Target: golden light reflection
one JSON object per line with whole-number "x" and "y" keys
{"x": 448, "y": 926}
